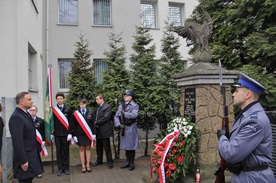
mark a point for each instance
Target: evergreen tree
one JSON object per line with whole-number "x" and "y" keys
{"x": 244, "y": 35}
{"x": 116, "y": 78}
{"x": 171, "y": 64}
{"x": 146, "y": 84}
{"x": 81, "y": 77}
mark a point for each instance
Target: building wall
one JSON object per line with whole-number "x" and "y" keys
{"x": 21, "y": 26}
{"x": 125, "y": 17}
{"x": 35, "y": 23}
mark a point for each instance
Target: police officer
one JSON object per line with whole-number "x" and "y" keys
{"x": 248, "y": 149}
{"x": 129, "y": 142}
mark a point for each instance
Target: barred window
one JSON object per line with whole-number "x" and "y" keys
{"x": 64, "y": 69}
{"x": 100, "y": 66}
{"x": 32, "y": 68}
{"x": 101, "y": 12}
{"x": 68, "y": 12}
{"x": 148, "y": 14}
{"x": 175, "y": 14}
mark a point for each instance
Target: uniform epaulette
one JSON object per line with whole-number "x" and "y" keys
{"x": 254, "y": 115}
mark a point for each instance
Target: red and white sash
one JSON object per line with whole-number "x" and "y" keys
{"x": 64, "y": 121}
{"x": 80, "y": 119}
{"x": 44, "y": 151}
{"x": 61, "y": 117}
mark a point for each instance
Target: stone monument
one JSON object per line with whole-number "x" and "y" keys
{"x": 202, "y": 102}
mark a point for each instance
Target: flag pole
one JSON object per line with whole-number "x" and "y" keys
{"x": 49, "y": 113}
{"x": 51, "y": 106}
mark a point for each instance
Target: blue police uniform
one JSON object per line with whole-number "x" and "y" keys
{"x": 129, "y": 141}
{"x": 248, "y": 150}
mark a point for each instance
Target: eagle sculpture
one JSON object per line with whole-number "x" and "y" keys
{"x": 196, "y": 33}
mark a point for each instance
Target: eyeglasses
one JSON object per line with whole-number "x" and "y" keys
{"x": 32, "y": 110}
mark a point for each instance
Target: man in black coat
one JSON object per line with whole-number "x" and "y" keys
{"x": 104, "y": 130}
{"x": 26, "y": 158}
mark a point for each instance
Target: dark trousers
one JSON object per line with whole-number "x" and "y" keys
{"x": 26, "y": 180}
{"x": 130, "y": 153}
{"x": 62, "y": 151}
{"x": 103, "y": 144}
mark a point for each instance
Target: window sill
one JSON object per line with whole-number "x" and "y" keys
{"x": 64, "y": 24}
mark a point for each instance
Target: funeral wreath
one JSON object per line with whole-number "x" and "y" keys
{"x": 175, "y": 149}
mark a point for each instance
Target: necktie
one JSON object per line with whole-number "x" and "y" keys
{"x": 83, "y": 112}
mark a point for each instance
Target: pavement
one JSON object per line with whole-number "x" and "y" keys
{"x": 101, "y": 173}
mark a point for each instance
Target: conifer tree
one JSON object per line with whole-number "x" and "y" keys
{"x": 243, "y": 38}
{"x": 116, "y": 77}
{"x": 171, "y": 64}
{"x": 81, "y": 77}
{"x": 146, "y": 84}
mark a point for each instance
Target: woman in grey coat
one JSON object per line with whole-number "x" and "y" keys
{"x": 129, "y": 141}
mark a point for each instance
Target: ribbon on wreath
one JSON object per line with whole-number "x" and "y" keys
{"x": 166, "y": 143}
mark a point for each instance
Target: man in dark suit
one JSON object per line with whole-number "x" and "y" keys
{"x": 26, "y": 158}
{"x": 104, "y": 129}
{"x": 62, "y": 133}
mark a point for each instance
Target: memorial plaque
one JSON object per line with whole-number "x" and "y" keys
{"x": 190, "y": 104}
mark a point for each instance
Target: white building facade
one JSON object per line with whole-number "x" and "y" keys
{"x": 21, "y": 52}
{"x": 36, "y": 33}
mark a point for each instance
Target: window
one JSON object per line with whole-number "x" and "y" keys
{"x": 175, "y": 14}
{"x": 148, "y": 14}
{"x": 101, "y": 12}
{"x": 64, "y": 69}
{"x": 68, "y": 12}
{"x": 100, "y": 66}
{"x": 32, "y": 65}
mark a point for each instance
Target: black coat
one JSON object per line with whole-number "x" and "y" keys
{"x": 59, "y": 129}
{"x": 40, "y": 126}
{"x": 103, "y": 121}
{"x": 25, "y": 148}
{"x": 1, "y": 133}
{"x": 89, "y": 118}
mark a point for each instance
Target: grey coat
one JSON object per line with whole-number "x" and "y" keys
{"x": 250, "y": 143}
{"x": 130, "y": 140}
{"x": 25, "y": 148}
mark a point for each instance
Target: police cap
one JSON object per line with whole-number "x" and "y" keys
{"x": 248, "y": 82}
{"x": 128, "y": 92}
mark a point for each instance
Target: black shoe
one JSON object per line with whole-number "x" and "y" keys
{"x": 83, "y": 169}
{"x": 67, "y": 172}
{"x": 96, "y": 163}
{"x": 59, "y": 172}
{"x": 110, "y": 165}
{"x": 131, "y": 167}
{"x": 131, "y": 163}
{"x": 125, "y": 165}
{"x": 88, "y": 169}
